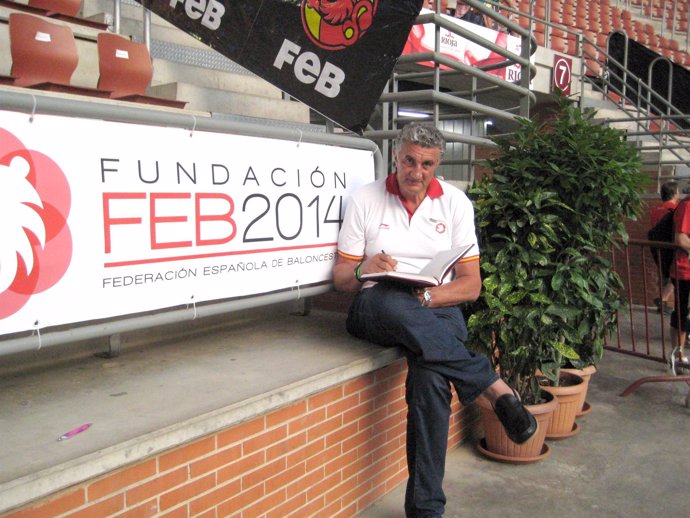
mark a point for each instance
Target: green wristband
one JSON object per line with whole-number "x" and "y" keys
{"x": 357, "y": 273}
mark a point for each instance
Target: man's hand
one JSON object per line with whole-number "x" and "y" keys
{"x": 379, "y": 263}
{"x": 344, "y": 278}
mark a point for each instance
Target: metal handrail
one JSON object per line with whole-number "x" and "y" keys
{"x": 667, "y": 139}
{"x": 465, "y": 100}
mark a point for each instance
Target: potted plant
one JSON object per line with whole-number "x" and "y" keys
{"x": 547, "y": 216}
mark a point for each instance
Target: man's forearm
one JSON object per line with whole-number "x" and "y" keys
{"x": 683, "y": 240}
{"x": 344, "y": 278}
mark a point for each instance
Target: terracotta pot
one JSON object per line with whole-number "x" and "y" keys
{"x": 496, "y": 444}
{"x": 568, "y": 395}
{"x": 585, "y": 374}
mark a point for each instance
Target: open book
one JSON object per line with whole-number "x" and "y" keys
{"x": 431, "y": 275}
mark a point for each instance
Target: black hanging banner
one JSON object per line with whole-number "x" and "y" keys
{"x": 333, "y": 55}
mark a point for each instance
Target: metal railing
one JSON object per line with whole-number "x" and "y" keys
{"x": 670, "y": 146}
{"x": 640, "y": 332}
{"x": 443, "y": 101}
{"x": 643, "y": 330}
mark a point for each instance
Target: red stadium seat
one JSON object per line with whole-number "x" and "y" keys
{"x": 557, "y": 43}
{"x": 68, "y": 7}
{"x": 581, "y": 22}
{"x": 539, "y": 36}
{"x": 572, "y": 46}
{"x": 44, "y": 55}
{"x": 41, "y": 51}
{"x": 594, "y": 25}
{"x": 654, "y": 41}
{"x": 125, "y": 70}
{"x": 555, "y": 31}
{"x": 124, "y": 66}
{"x": 593, "y": 68}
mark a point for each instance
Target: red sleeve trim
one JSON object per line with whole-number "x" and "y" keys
{"x": 350, "y": 257}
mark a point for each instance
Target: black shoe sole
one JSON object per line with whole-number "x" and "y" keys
{"x": 512, "y": 413}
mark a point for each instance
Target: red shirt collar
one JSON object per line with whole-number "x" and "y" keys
{"x": 433, "y": 191}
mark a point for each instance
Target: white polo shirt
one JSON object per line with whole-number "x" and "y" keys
{"x": 376, "y": 220}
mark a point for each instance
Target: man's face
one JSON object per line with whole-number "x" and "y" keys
{"x": 416, "y": 166}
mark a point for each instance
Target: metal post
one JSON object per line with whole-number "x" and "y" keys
{"x": 116, "y": 16}
{"x": 583, "y": 65}
{"x": 524, "y": 71}
{"x": 147, "y": 28}
{"x": 114, "y": 347}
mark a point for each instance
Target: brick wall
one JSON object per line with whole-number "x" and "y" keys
{"x": 331, "y": 454}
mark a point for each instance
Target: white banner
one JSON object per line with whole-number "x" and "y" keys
{"x": 101, "y": 219}
{"x": 422, "y": 38}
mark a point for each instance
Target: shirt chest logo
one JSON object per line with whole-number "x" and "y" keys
{"x": 440, "y": 228}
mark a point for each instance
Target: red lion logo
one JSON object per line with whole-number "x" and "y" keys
{"x": 337, "y": 24}
{"x": 35, "y": 241}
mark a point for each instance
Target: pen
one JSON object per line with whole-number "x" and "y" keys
{"x": 74, "y": 432}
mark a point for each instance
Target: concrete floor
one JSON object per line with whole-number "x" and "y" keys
{"x": 631, "y": 458}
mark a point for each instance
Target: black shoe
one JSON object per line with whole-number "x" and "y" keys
{"x": 659, "y": 305}
{"x": 662, "y": 306}
{"x": 519, "y": 424}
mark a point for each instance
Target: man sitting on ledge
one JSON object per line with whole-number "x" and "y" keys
{"x": 409, "y": 217}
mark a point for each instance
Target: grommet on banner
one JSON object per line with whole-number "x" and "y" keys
{"x": 33, "y": 110}
{"x": 37, "y": 330}
{"x": 191, "y": 133}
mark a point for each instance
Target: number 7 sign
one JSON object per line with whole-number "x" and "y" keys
{"x": 562, "y": 75}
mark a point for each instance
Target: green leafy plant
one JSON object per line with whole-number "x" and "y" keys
{"x": 547, "y": 217}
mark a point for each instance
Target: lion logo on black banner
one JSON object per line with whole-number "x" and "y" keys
{"x": 337, "y": 24}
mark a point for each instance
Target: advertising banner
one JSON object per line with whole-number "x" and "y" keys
{"x": 102, "y": 219}
{"x": 423, "y": 37}
{"x": 334, "y": 56}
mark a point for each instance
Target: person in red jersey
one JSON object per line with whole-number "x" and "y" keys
{"x": 663, "y": 257}
{"x": 680, "y": 275}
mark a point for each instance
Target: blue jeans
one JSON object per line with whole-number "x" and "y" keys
{"x": 390, "y": 315}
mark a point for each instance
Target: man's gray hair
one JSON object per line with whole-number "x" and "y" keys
{"x": 425, "y": 135}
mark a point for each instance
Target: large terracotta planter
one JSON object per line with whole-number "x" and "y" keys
{"x": 568, "y": 395}
{"x": 586, "y": 375}
{"x": 496, "y": 444}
